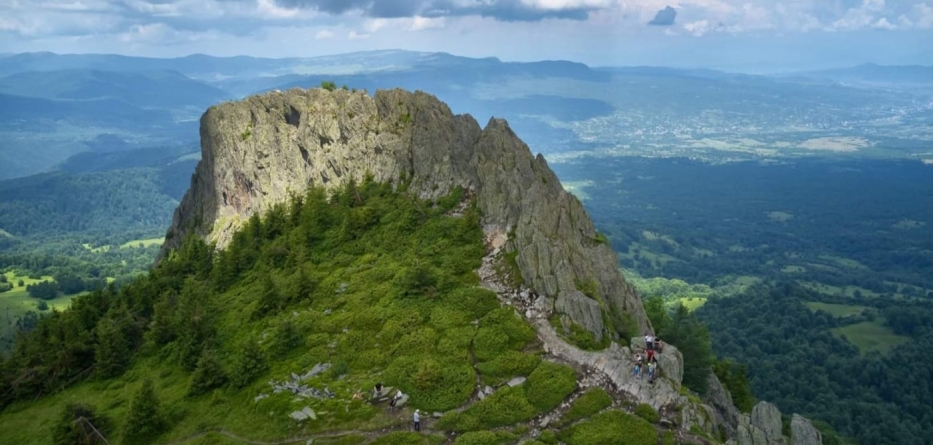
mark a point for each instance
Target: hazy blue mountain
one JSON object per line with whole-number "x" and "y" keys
{"x": 877, "y": 75}
{"x": 160, "y": 89}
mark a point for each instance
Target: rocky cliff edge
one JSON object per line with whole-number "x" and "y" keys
{"x": 258, "y": 151}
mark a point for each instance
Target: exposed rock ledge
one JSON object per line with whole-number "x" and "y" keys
{"x": 257, "y": 151}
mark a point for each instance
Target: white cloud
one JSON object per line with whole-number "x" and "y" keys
{"x": 567, "y": 4}
{"x": 924, "y": 16}
{"x": 324, "y": 34}
{"x": 353, "y": 35}
{"x": 268, "y": 9}
{"x": 420, "y": 23}
{"x": 697, "y": 28}
{"x": 883, "y": 23}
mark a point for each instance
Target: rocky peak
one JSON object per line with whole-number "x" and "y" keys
{"x": 258, "y": 151}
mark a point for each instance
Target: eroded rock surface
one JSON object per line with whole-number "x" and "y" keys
{"x": 803, "y": 433}
{"x": 258, "y": 151}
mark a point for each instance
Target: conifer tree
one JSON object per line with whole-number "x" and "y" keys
{"x": 207, "y": 375}
{"x": 248, "y": 364}
{"x": 270, "y": 301}
{"x": 78, "y": 424}
{"x": 145, "y": 419}
{"x": 113, "y": 350}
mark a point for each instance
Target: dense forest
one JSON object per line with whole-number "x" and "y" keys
{"x": 795, "y": 361}
{"x": 863, "y": 226}
{"x": 815, "y": 275}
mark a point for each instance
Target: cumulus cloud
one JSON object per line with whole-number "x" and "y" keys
{"x": 664, "y": 17}
{"x": 503, "y": 10}
{"x": 163, "y": 21}
{"x": 697, "y": 28}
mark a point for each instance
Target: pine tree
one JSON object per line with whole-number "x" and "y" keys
{"x": 78, "y": 424}
{"x": 270, "y": 301}
{"x": 207, "y": 375}
{"x": 248, "y": 364}
{"x": 113, "y": 350}
{"x": 144, "y": 420}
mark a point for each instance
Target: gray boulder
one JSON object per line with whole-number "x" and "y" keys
{"x": 803, "y": 432}
{"x": 768, "y": 417}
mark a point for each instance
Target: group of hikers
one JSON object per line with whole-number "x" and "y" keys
{"x": 649, "y": 360}
{"x": 396, "y": 397}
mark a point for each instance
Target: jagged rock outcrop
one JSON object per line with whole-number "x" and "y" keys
{"x": 258, "y": 151}
{"x": 767, "y": 417}
{"x": 725, "y": 413}
{"x": 802, "y": 432}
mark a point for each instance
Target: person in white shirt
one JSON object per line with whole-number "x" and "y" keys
{"x": 417, "y": 420}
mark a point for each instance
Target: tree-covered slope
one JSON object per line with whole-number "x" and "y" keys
{"x": 795, "y": 360}
{"x": 377, "y": 284}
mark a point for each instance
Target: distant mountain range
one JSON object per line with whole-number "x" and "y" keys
{"x": 53, "y": 106}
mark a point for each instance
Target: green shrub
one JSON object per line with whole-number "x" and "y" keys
{"x": 474, "y": 301}
{"x": 457, "y": 421}
{"x": 611, "y": 427}
{"x": 647, "y": 412}
{"x": 585, "y": 339}
{"x": 590, "y": 402}
{"x": 508, "y": 365}
{"x": 432, "y": 383}
{"x": 477, "y": 438}
{"x": 548, "y": 437}
{"x": 78, "y": 424}
{"x": 667, "y": 438}
{"x": 549, "y": 384}
{"x": 328, "y": 85}
{"x": 504, "y": 407}
{"x": 144, "y": 420}
{"x": 403, "y": 438}
{"x": 504, "y": 320}
{"x": 207, "y": 375}
{"x": 248, "y": 364}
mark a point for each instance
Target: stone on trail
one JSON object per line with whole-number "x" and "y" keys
{"x": 298, "y": 415}
{"x": 516, "y": 381}
{"x": 309, "y": 412}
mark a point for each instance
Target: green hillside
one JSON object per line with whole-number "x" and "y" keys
{"x": 369, "y": 285}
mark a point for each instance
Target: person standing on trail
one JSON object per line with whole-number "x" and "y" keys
{"x": 417, "y": 420}
{"x": 649, "y": 342}
{"x": 650, "y": 354}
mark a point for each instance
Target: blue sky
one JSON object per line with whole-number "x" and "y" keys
{"x": 742, "y": 35}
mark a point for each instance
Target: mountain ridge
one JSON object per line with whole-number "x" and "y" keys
{"x": 259, "y": 151}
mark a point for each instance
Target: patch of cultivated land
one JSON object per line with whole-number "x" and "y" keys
{"x": 848, "y": 291}
{"x": 143, "y": 243}
{"x": 870, "y": 336}
{"x": 16, "y": 302}
{"x": 836, "y": 310}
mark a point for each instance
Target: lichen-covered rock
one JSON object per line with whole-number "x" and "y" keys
{"x": 803, "y": 433}
{"x": 725, "y": 412}
{"x": 258, "y": 151}
{"x": 767, "y": 417}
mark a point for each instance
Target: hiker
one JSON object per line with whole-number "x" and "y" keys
{"x": 649, "y": 342}
{"x": 651, "y": 372}
{"x": 417, "y": 420}
{"x": 650, "y": 354}
{"x": 658, "y": 345}
{"x": 395, "y": 398}
{"x": 377, "y": 391}
{"x": 637, "y": 369}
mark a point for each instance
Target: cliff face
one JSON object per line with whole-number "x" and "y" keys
{"x": 258, "y": 151}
